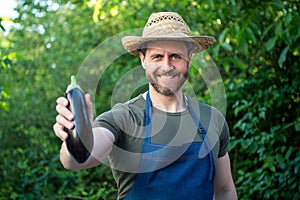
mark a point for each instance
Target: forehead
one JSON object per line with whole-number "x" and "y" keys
{"x": 170, "y": 46}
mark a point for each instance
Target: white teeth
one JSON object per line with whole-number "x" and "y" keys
{"x": 164, "y": 77}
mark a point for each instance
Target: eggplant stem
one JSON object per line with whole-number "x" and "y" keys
{"x": 73, "y": 84}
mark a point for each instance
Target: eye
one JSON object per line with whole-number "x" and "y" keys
{"x": 156, "y": 57}
{"x": 175, "y": 57}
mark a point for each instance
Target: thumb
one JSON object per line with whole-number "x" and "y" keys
{"x": 89, "y": 105}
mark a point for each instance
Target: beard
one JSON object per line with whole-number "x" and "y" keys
{"x": 171, "y": 89}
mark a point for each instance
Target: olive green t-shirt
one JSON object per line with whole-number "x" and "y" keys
{"x": 126, "y": 122}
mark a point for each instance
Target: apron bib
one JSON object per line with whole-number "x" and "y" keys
{"x": 165, "y": 175}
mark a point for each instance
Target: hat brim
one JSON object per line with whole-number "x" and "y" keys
{"x": 132, "y": 44}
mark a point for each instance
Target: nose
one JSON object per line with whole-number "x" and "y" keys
{"x": 167, "y": 64}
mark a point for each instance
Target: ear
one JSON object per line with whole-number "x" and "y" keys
{"x": 142, "y": 58}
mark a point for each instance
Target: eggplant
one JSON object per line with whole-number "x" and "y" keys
{"x": 80, "y": 139}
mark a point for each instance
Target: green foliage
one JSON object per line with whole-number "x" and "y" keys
{"x": 1, "y": 26}
{"x": 4, "y": 92}
{"x": 265, "y": 101}
{"x": 256, "y": 51}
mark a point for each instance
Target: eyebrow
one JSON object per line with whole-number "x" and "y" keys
{"x": 171, "y": 53}
{"x": 155, "y": 55}
{"x": 178, "y": 53}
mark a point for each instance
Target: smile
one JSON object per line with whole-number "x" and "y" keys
{"x": 167, "y": 77}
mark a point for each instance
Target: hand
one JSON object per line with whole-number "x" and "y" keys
{"x": 65, "y": 117}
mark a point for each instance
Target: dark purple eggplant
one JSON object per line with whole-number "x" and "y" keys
{"x": 80, "y": 140}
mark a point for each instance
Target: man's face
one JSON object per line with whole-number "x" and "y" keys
{"x": 166, "y": 65}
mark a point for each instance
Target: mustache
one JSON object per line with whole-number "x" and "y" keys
{"x": 168, "y": 73}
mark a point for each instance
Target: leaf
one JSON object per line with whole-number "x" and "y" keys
{"x": 289, "y": 152}
{"x": 1, "y": 19}
{"x": 3, "y": 29}
{"x": 262, "y": 112}
{"x": 278, "y": 4}
{"x": 288, "y": 38}
{"x": 237, "y": 62}
{"x": 216, "y": 51}
{"x": 244, "y": 106}
{"x": 211, "y": 4}
{"x": 282, "y": 56}
{"x": 222, "y": 35}
{"x": 243, "y": 47}
{"x": 267, "y": 29}
{"x": 254, "y": 28}
{"x": 226, "y": 46}
{"x": 236, "y": 28}
{"x": 250, "y": 34}
{"x": 226, "y": 66}
{"x": 270, "y": 43}
{"x": 278, "y": 30}
{"x": 287, "y": 19}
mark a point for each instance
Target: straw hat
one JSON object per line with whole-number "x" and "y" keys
{"x": 166, "y": 26}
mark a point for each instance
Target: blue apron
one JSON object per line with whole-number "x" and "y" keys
{"x": 165, "y": 175}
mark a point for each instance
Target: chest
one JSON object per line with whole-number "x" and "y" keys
{"x": 171, "y": 129}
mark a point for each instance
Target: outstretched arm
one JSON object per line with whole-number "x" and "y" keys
{"x": 103, "y": 138}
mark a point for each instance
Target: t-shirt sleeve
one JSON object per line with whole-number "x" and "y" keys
{"x": 119, "y": 120}
{"x": 106, "y": 120}
{"x": 224, "y": 139}
{"x": 113, "y": 120}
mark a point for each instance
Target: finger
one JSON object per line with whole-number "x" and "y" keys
{"x": 89, "y": 106}
{"x": 59, "y": 131}
{"x": 62, "y": 101}
{"x": 65, "y": 112}
{"x": 88, "y": 100}
{"x": 64, "y": 122}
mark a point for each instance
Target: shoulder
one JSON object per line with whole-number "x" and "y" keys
{"x": 209, "y": 116}
{"x": 132, "y": 110}
{"x": 137, "y": 102}
{"x": 133, "y": 107}
{"x": 204, "y": 108}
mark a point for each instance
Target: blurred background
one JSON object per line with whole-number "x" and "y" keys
{"x": 44, "y": 42}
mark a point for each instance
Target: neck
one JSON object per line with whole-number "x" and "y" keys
{"x": 173, "y": 103}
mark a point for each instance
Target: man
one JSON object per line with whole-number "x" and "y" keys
{"x": 181, "y": 144}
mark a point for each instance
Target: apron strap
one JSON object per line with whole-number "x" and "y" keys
{"x": 203, "y": 134}
{"x": 195, "y": 118}
{"x": 148, "y": 112}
